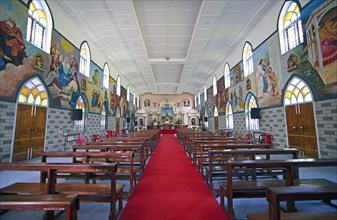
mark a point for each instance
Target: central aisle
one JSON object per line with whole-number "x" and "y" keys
{"x": 171, "y": 188}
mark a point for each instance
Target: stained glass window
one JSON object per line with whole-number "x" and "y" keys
{"x": 39, "y": 25}
{"x": 106, "y": 74}
{"x": 205, "y": 94}
{"x": 85, "y": 59}
{"x": 247, "y": 59}
{"x": 290, "y": 26}
{"x": 229, "y": 116}
{"x": 34, "y": 93}
{"x": 215, "y": 87}
{"x": 296, "y": 92}
{"x": 227, "y": 76}
{"x": 118, "y": 86}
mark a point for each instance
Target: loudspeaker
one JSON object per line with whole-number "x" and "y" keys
{"x": 205, "y": 119}
{"x": 128, "y": 120}
{"x": 255, "y": 113}
{"x": 77, "y": 114}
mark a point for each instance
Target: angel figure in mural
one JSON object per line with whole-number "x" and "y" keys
{"x": 274, "y": 82}
{"x": 262, "y": 83}
{"x": 12, "y": 44}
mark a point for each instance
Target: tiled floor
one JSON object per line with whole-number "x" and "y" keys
{"x": 94, "y": 211}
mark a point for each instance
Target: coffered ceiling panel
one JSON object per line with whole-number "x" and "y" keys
{"x": 165, "y": 46}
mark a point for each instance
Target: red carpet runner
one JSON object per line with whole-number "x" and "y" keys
{"x": 171, "y": 188}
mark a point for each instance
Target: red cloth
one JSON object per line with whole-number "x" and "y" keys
{"x": 171, "y": 188}
{"x": 168, "y": 131}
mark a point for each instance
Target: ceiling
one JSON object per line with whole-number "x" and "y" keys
{"x": 166, "y": 46}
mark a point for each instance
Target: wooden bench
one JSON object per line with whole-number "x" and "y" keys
{"x": 201, "y": 151}
{"x": 108, "y": 193}
{"x": 138, "y": 149}
{"x": 231, "y": 189}
{"x": 218, "y": 158}
{"x": 68, "y": 203}
{"x": 297, "y": 216}
{"x": 125, "y": 169}
{"x": 275, "y": 195}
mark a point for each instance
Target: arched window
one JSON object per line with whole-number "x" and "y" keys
{"x": 85, "y": 59}
{"x": 290, "y": 26}
{"x": 229, "y": 116}
{"x": 205, "y": 94}
{"x": 118, "y": 86}
{"x": 79, "y": 124}
{"x": 216, "y": 111}
{"x": 33, "y": 93}
{"x": 227, "y": 76}
{"x": 247, "y": 59}
{"x": 199, "y": 98}
{"x": 39, "y": 25}
{"x": 103, "y": 118}
{"x": 215, "y": 86}
{"x": 195, "y": 100}
{"x": 251, "y": 124}
{"x": 106, "y": 74}
{"x": 128, "y": 93}
{"x": 297, "y": 92}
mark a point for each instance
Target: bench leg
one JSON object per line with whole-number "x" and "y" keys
{"x": 222, "y": 196}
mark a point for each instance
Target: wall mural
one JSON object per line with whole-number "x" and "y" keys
{"x": 315, "y": 62}
{"x": 62, "y": 77}
{"x": 59, "y": 70}
{"x": 113, "y": 97}
{"x": 16, "y": 55}
{"x": 221, "y": 102}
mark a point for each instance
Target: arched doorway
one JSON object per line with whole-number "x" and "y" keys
{"x": 300, "y": 118}
{"x": 30, "y": 120}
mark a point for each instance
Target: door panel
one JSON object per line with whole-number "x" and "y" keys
{"x": 29, "y": 132}
{"x": 292, "y": 120}
{"x": 22, "y": 132}
{"x": 301, "y": 129}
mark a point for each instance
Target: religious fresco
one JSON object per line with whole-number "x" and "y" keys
{"x": 321, "y": 47}
{"x": 16, "y": 55}
{"x": 123, "y": 104}
{"x": 210, "y": 102}
{"x": 63, "y": 77}
{"x": 221, "y": 102}
{"x": 94, "y": 89}
{"x": 166, "y": 113}
{"x": 113, "y": 97}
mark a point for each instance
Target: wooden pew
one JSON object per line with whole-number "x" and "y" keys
{"x": 138, "y": 149}
{"x": 87, "y": 192}
{"x": 201, "y": 152}
{"x": 244, "y": 189}
{"x": 275, "y": 195}
{"x": 68, "y": 203}
{"x": 218, "y": 159}
{"x": 125, "y": 169}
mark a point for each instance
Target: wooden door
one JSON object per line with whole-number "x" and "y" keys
{"x": 29, "y": 132}
{"x": 216, "y": 125}
{"x": 38, "y": 127}
{"x": 308, "y": 130}
{"x": 301, "y": 129}
{"x": 22, "y": 132}
{"x": 117, "y": 125}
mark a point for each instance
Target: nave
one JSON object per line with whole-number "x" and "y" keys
{"x": 170, "y": 188}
